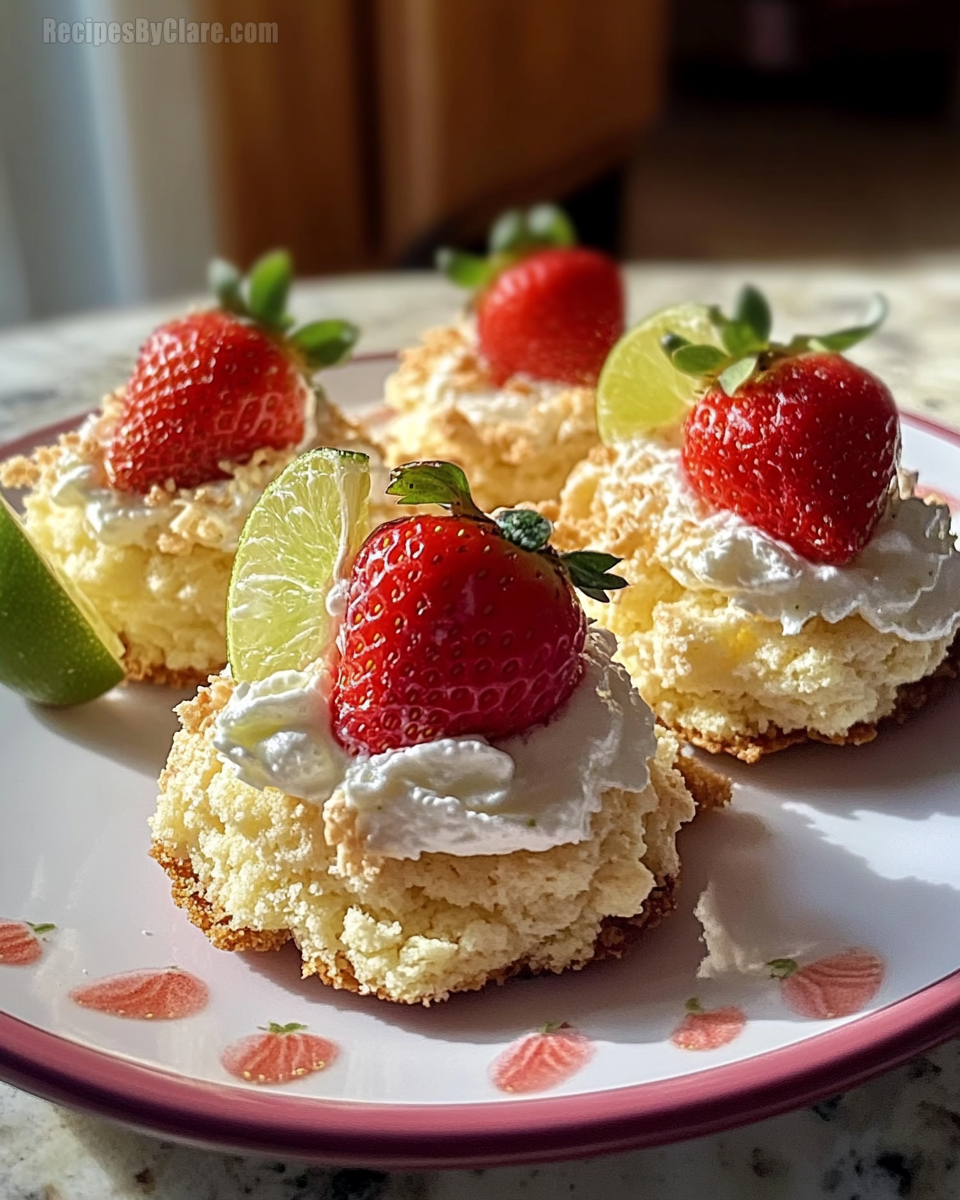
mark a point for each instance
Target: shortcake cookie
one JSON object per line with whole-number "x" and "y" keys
{"x": 466, "y": 787}
{"x": 508, "y": 392}
{"x": 142, "y": 507}
{"x": 785, "y": 583}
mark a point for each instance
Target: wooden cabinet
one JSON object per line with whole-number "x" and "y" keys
{"x": 374, "y": 127}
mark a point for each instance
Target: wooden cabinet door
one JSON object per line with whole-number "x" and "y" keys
{"x": 490, "y": 102}
{"x": 375, "y": 126}
{"x": 292, "y": 145}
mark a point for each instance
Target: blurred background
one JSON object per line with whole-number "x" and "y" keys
{"x": 370, "y": 131}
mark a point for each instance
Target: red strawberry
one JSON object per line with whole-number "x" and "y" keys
{"x": 544, "y": 307}
{"x": 708, "y": 1029}
{"x": 836, "y": 986}
{"x": 458, "y": 624}
{"x": 218, "y": 385}
{"x": 207, "y": 387}
{"x": 806, "y": 452}
{"x": 794, "y": 438}
{"x": 20, "y": 942}
{"x": 541, "y": 1060}
{"x": 279, "y": 1054}
{"x": 149, "y": 995}
{"x": 555, "y": 315}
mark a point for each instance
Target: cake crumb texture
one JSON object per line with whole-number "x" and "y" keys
{"x": 508, "y": 457}
{"x": 165, "y": 593}
{"x": 250, "y": 864}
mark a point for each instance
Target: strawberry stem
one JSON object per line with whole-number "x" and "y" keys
{"x": 44, "y": 927}
{"x": 693, "y": 1005}
{"x": 273, "y": 1027}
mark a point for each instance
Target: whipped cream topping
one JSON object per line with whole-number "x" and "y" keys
{"x": 462, "y": 795}
{"x": 454, "y": 382}
{"x": 211, "y": 514}
{"x": 129, "y": 518}
{"x": 277, "y": 733}
{"x": 906, "y": 580}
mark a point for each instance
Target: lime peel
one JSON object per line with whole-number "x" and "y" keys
{"x": 297, "y": 543}
{"x": 55, "y": 648}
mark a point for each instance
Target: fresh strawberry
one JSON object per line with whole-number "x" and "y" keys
{"x": 277, "y": 1055}
{"x": 149, "y": 995}
{"x": 541, "y": 1060}
{"x": 708, "y": 1029}
{"x": 796, "y": 439}
{"x": 458, "y": 624}
{"x": 545, "y": 308}
{"x": 218, "y": 385}
{"x": 20, "y": 942}
{"x": 554, "y": 316}
{"x": 836, "y": 986}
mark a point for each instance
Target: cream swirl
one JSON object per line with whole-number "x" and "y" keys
{"x": 906, "y": 580}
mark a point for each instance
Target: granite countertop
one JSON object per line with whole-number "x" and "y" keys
{"x": 897, "y": 1136}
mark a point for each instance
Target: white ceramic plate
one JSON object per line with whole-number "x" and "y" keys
{"x": 833, "y": 848}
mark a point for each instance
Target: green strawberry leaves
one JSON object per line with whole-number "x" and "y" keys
{"x": 325, "y": 343}
{"x": 226, "y": 284}
{"x": 434, "y": 482}
{"x": 470, "y": 271}
{"x": 843, "y": 339}
{"x": 268, "y": 286}
{"x": 537, "y": 228}
{"x": 590, "y": 571}
{"x": 747, "y": 347}
{"x": 444, "y": 483}
{"x": 737, "y": 374}
{"x": 261, "y": 297}
{"x": 515, "y": 234}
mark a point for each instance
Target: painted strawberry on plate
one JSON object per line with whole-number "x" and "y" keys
{"x": 278, "y": 1054}
{"x": 794, "y": 438}
{"x": 541, "y": 1060}
{"x": 20, "y": 942}
{"x": 217, "y": 385}
{"x": 708, "y": 1028}
{"x": 838, "y": 985}
{"x": 458, "y": 624}
{"x": 545, "y": 307}
{"x": 166, "y": 994}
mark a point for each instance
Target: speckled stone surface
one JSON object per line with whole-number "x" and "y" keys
{"x": 898, "y": 1136}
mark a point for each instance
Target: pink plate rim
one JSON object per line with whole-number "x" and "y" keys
{"x": 501, "y": 1132}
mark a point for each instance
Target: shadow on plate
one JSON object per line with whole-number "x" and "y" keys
{"x": 133, "y": 725}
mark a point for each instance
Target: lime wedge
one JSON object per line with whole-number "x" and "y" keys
{"x": 54, "y": 647}
{"x": 639, "y": 388}
{"x": 299, "y": 538}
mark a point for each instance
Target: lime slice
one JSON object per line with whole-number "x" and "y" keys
{"x": 54, "y": 647}
{"x": 639, "y": 388}
{"x": 299, "y": 539}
